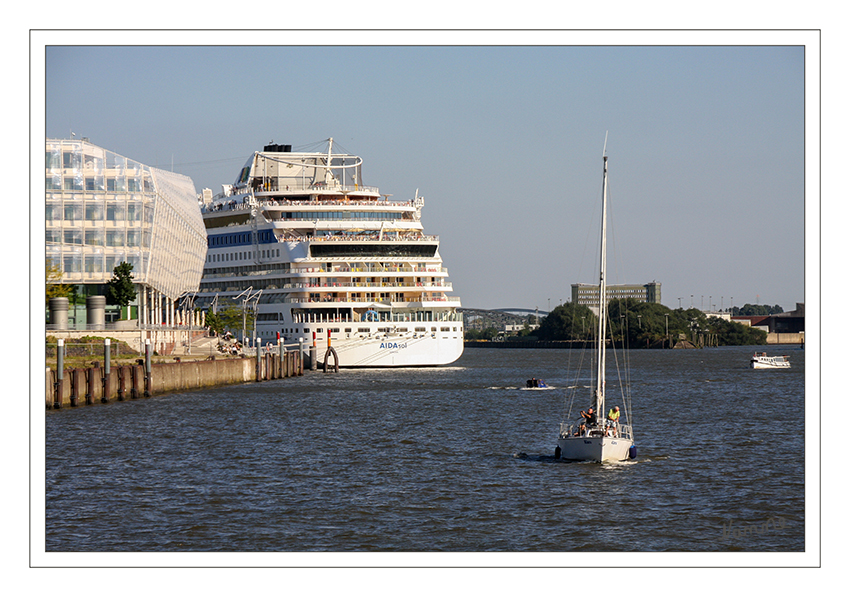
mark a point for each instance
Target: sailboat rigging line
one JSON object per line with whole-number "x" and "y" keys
{"x": 572, "y": 388}
{"x": 623, "y": 385}
{"x": 625, "y": 388}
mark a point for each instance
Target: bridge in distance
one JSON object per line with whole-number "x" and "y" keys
{"x": 511, "y": 311}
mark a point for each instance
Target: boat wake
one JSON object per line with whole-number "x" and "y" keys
{"x": 519, "y": 388}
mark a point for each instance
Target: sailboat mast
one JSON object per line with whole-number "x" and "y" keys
{"x": 603, "y": 307}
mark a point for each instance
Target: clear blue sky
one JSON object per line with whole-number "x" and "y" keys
{"x": 706, "y": 147}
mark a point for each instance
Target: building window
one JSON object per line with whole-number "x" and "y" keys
{"x": 94, "y": 212}
{"x": 94, "y": 238}
{"x": 115, "y": 212}
{"x": 71, "y": 160}
{"x": 51, "y": 159}
{"x": 116, "y": 185}
{"x": 134, "y": 212}
{"x": 73, "y": 212}
{"x": 53, "y": 212}
{"x": 115, "y": 238}
{"x": 72, "y": 184}
{"x": 134, "y": 238}
{"x": 94, "y": 264}
{"x": 72, "y": 264}
{"x": 112, "y": 261}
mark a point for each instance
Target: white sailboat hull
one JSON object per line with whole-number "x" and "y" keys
{"x": 594, "y": 449}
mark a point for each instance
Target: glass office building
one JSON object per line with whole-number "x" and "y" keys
{"x": 102, "y": 209}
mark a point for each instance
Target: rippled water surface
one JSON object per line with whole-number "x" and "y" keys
{"x": 436, "y": 459}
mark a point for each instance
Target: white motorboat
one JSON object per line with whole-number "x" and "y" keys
{"x": 760, "y": 360}
{"x": 593, "y": 438}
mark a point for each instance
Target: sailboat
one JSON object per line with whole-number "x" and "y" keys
{"x": 596, "y": 438}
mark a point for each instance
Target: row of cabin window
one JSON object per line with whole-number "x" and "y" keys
{"x": 238, "y": 255}
{"x": 239, "y": 238}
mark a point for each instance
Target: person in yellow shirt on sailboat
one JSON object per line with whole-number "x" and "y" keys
{"x": 613, "y": 420}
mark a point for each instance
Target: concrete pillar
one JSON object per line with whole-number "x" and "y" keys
{"x": 96, "y": 311}
{"x": 143, "y": 307}
{"x": 59, "y": 313}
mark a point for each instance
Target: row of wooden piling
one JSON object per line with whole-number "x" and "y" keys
{"x": 96, "y": 384}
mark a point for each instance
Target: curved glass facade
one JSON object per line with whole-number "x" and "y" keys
{"x": 102, "y": 208}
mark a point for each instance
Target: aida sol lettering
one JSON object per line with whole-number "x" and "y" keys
{"x": 393, "y": 345}
{"x": 741, "y": 531}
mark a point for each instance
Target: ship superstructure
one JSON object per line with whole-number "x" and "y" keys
{"x": 318, "y": 254}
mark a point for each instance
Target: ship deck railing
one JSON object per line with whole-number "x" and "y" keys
{"x": 241, "y": 204}
{"x": 373, "y": 300}
{"x": 258, "y": 271}
{"x": 360, "y": 238}
{"x": 386, "y": 317}
{"x": 617, "y": 430}
{"x": 269, "y": 198}
{"x": 367, "y": 270}
{"x": 311, "y": 187}
{"x": 342, "y": 285}
{"x": 120, "y": 326}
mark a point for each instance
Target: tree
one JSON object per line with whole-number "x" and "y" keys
{"x": 53, "y": 275}
{"x": 749, "y": 309}
{"x": 228, "y": 317}
{"x": 567, "y": 322}
{"x": 214, "y": 322}
{"x": 486, "y": 334}
{"x": 120, "y": 290}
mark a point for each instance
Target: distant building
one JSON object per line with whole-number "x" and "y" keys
{"x": 790, "y": 322}
{"x": 102, "y": 209}
{"x": 588, "y": 294}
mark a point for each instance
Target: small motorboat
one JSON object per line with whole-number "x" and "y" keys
{"x": 760, "y": 360}
{"x": 536, "y": 384}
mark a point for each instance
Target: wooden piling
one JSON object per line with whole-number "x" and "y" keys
{"x": 69, "y": 387}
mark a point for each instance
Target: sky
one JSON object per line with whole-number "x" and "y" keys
{"x": 504, "y": 142}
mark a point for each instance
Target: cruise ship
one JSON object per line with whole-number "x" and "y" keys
{"x": 315, "y": 256}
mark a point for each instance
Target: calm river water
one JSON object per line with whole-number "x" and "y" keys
{"x": 437, "y": 459}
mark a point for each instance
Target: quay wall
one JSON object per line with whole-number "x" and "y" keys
{"x": 792, "y": 338}
{"x": 82, "y": 386}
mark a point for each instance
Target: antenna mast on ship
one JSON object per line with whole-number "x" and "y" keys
{"x": 329, "y": 176}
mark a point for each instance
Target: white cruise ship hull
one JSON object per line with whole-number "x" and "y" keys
{"x": 396, "y": 352}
